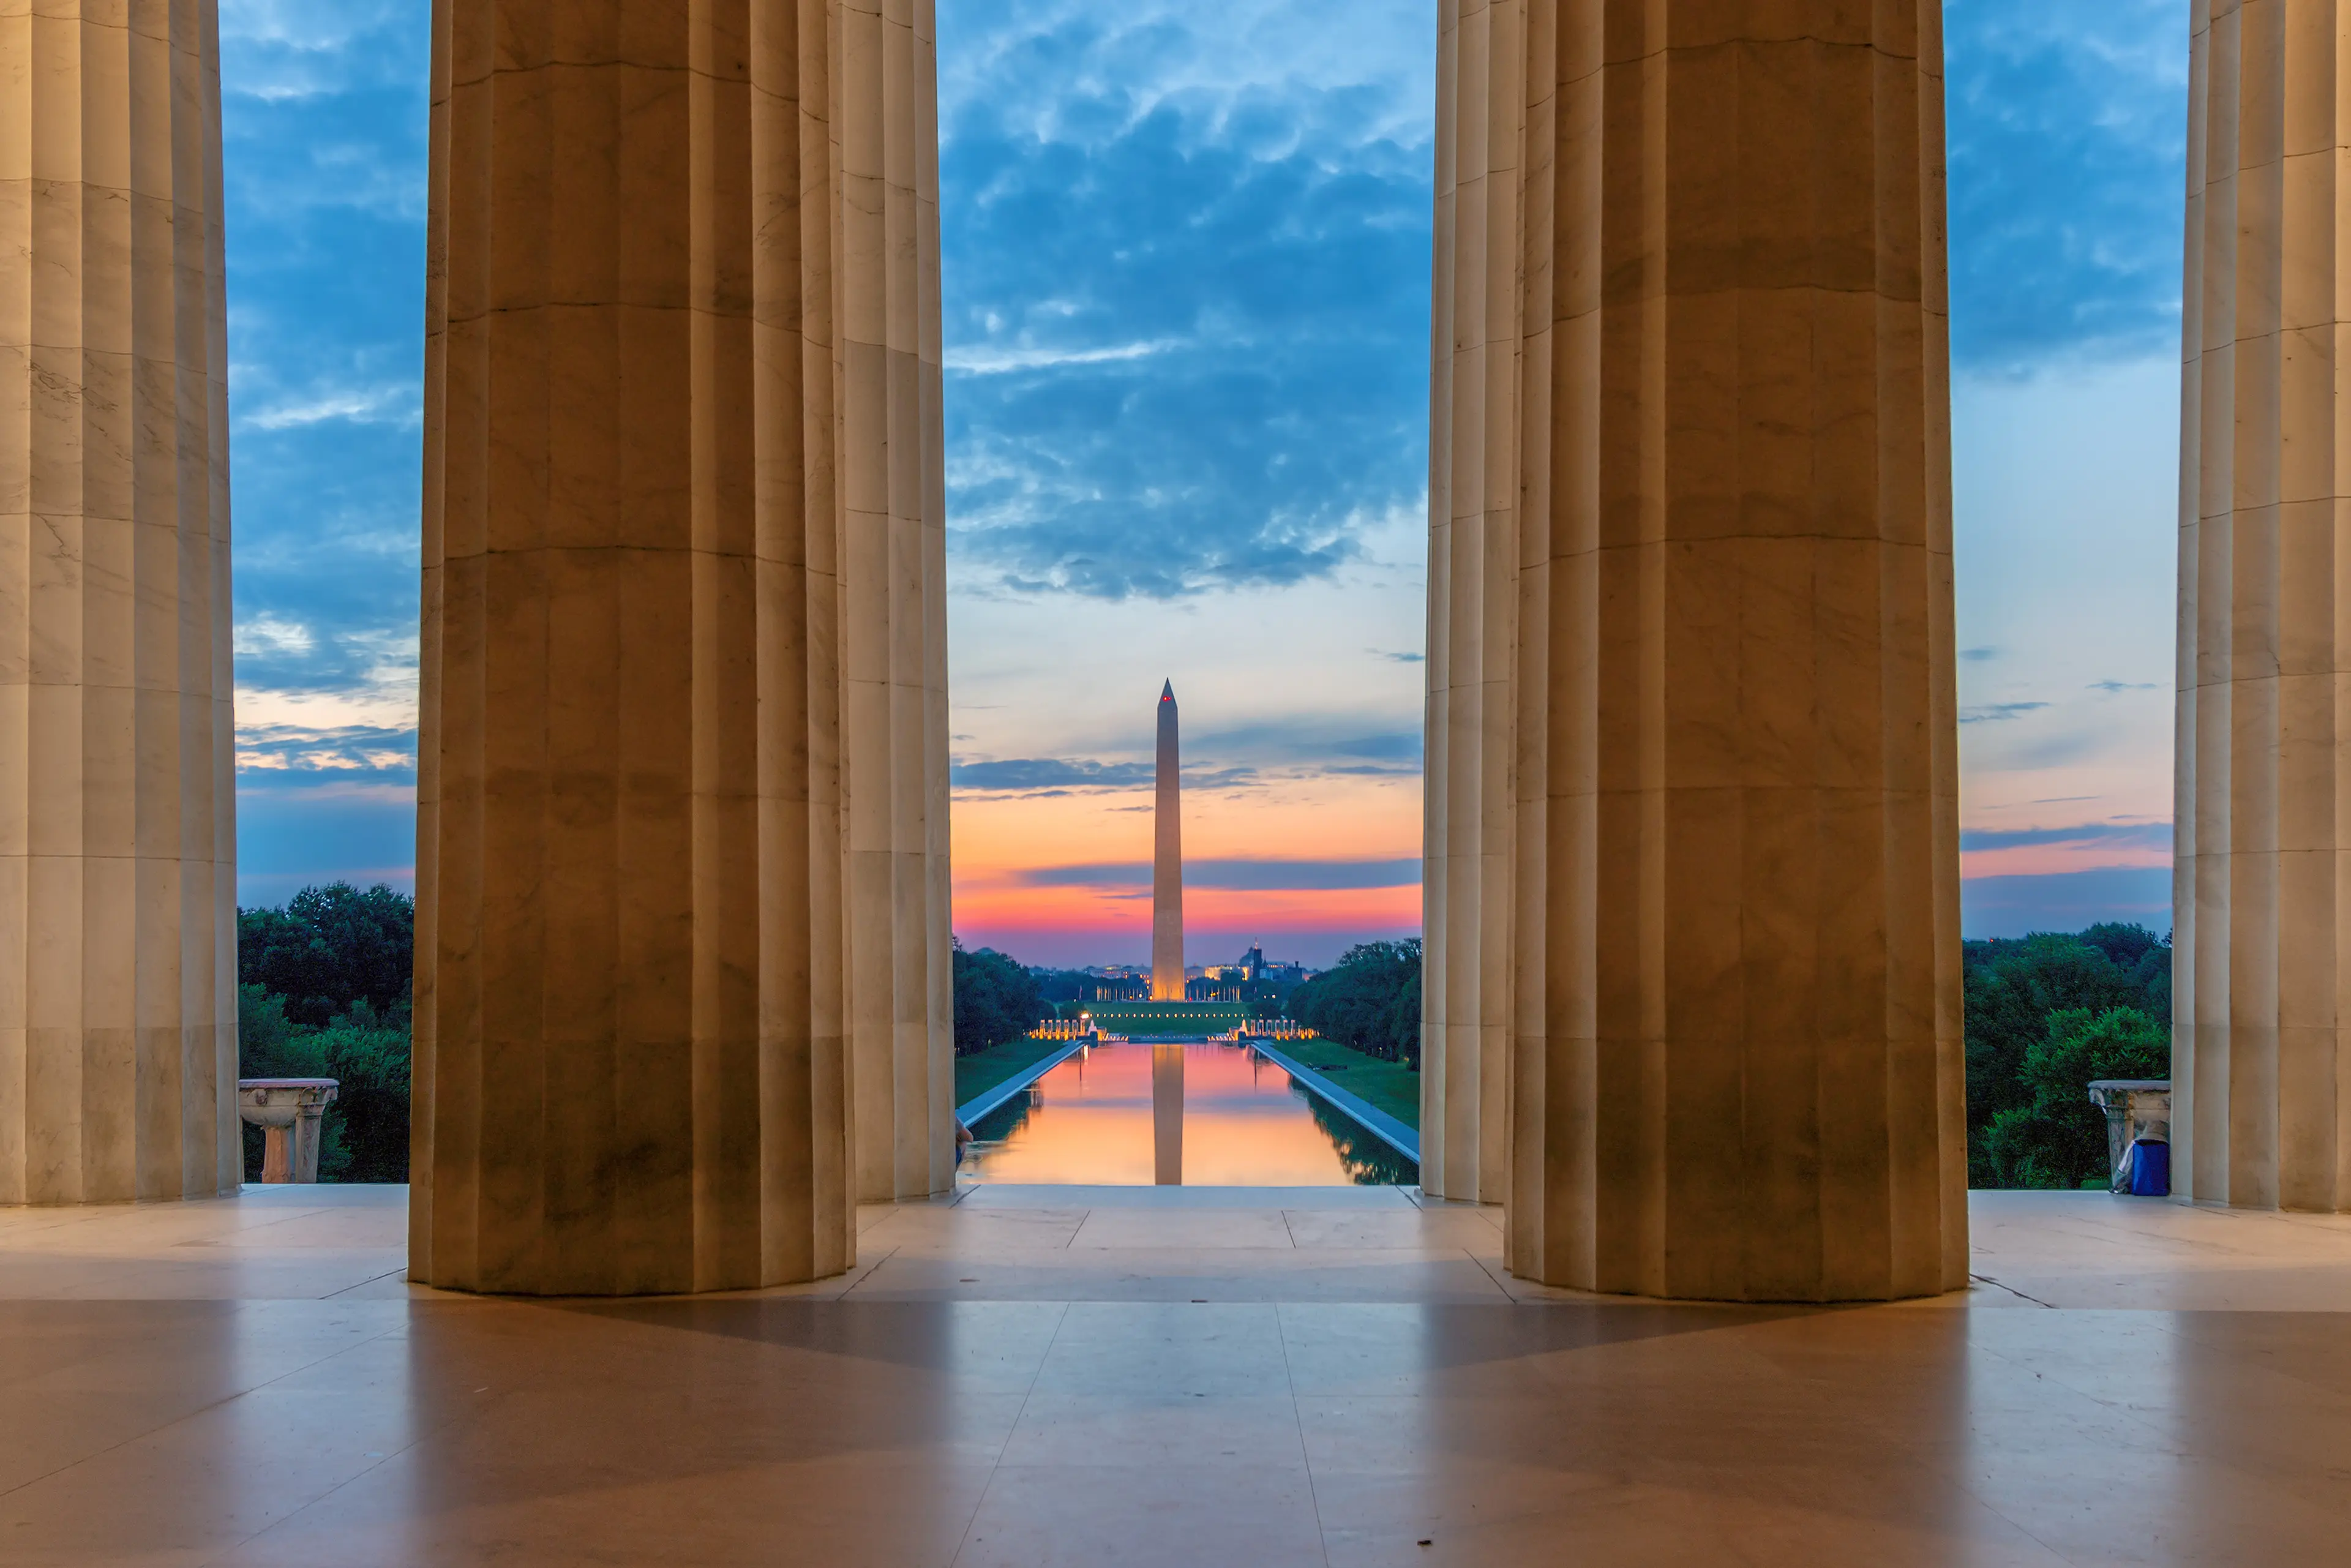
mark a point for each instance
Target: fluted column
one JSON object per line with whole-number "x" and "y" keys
{"x": 2261, "y": 891}
{"x": 632, "y": 1064}
{"x": 885, "y": 154}
{"x": 1472, "y": 543}
{"x": 1737, "y": 1062}
{"x": 118, "y": 888}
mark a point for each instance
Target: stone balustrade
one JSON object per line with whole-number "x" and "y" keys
{"x": 290, "y": 1112}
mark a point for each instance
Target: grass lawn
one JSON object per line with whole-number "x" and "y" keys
{"x": 984, "y": 1069}
{"x": 1389, "y": 1085}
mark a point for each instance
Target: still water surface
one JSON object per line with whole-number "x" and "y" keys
{"x": 1206, "y": 1115}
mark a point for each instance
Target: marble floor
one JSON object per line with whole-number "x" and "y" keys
{"x": 1044, "y": 1375}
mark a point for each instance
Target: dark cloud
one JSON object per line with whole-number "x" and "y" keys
{"x": 2111, "y": 687}
{"x": 2067, "y": 130}
{"x": 1050, "y": 773}
{"x": 2119, "y": 835}
{"x": 1184, "y": 353}
{"x": 1239, "y": 875}
{"x": 2064, "y": 901}
{"x": 1058, "y": 775}
{"x": 1978, "y": 656}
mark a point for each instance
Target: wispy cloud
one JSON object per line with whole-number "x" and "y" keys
{"x": 1991, "y": 713}
{"x": 2067, "y": 148}
{"x": 997, "y": 361}
{"x": 397, "y": 403}
{"x": 1187, "y": 272}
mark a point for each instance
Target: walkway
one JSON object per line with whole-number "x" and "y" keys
{"x": 1181, "y": 1375}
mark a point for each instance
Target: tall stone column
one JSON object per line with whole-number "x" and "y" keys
{"x": 632, "y": 1064}
{"x": 885, "y": 155}
{"x": 1473, "y": 469}
{"x": 117, "y": 846}
{"x": 2262, "y": 890}
{"x": 1736, "y": 1067}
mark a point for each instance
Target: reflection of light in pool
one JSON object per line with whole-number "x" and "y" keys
{"x": 1243, "y": 1123}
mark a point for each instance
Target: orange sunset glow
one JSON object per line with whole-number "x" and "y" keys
{"x": 1091, "y": 1122}
{"x": 1066, "y": 875}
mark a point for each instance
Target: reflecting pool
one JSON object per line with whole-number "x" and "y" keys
{"x": 1199, "y": 1115}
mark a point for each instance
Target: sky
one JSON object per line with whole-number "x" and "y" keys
{"x": 1185, "y": 261}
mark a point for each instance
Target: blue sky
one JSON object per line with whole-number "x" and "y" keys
{"x": 1187, "y": 251}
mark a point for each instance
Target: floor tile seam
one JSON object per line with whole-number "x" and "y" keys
{"x": 858, "y": 1277}
{"x": 1508, "y": 1298}
{"x": 996, "y": 1464}
{"x": 1298, "y": 1425}
{"x": 186, "y": 1416}
{"x": 2020, "y": 1295}
{"x": 2056, "y": 1552}
{"x": 400, "y": 1268}
{"x": 230, "y": 1556}
{"x": 2153, "y": 1421}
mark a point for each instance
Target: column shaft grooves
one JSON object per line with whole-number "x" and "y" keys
{"x": 2262, "y": 884}
{"x": 650, "y": 429}
{"x": 118, "y": 1034}
{"x": 1735, "y": 1058}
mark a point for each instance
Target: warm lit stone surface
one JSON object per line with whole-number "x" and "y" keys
{"x": 173, "y": 1390}
{"x": 2261, "y": 1061}
{"x": 1473, "y": 485}
{"x": 118, "y": 921}
{"x": 1736, "y": 1064}
{"x": 681, "y": 670}
{"x": 885, "y": 151}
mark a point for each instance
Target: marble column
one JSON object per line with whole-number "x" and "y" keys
{"x": 2261, "y": 888}
{"x": 118, "y": 887}
{"x": 1736, "y": 1067}
{"x": 644, "y": 485}
{"x": 1473, "y": 484}
{"x": 885, "y": 157}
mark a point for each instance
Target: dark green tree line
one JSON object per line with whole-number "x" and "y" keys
{"x": 1369, "y": 1001}
{"x": 323, "y": 989}
{"x": 2046, "y": 1014}
{"x": 995, "y": 999}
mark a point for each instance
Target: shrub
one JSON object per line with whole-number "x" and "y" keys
{"x": 2057, "y": 1138}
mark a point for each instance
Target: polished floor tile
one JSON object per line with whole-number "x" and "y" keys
{"x": 1265, "y": 1378}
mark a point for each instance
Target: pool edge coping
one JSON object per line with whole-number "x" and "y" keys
{"x": 1403, "y": 1140}
{"x": 990, "y": 1100}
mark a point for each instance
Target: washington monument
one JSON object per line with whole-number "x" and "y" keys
{"x": 1167, "y": 865}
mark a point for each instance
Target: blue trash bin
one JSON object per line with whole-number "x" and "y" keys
{"x": 2150, "y": 1168}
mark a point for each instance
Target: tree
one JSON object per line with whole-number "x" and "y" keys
{"x": 1063, "y": 985}
{"x": 2014, "y": 987}
{"x": 1369, "y": 1001}
{"x": 364, "y": 1134}
{"x": 330, "y": 947}
{"x": 2057, "y": 1138}
{"x": 323, "y": 992}
{"x": 995, "y": 999}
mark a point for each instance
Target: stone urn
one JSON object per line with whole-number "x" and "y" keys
{"x": 288, "y": 1111}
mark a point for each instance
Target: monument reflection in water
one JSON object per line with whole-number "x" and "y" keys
{"x": 1201, "y": 1115}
